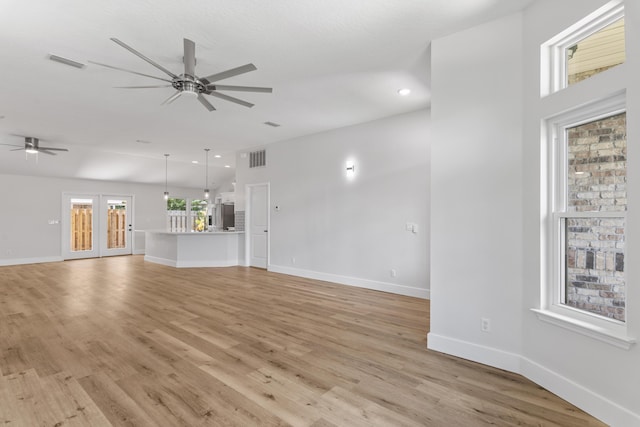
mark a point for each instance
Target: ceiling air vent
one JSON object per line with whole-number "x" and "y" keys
{"x": 272, "y": 124}
{"x": 258, "y": 159}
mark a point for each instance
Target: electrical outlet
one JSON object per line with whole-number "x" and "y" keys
{"x": 485, "y": 325}
{"x": 392, "y": 272}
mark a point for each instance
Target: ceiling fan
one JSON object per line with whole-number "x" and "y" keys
{"x": 189, "y": 83}
{"x": 32, "y": 146}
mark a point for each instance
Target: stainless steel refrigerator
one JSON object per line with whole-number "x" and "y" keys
{"x": 225, "y": 216}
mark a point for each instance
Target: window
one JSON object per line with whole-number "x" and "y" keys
{"x": 590, "y": 47}
{"x": 198, "y": 215}
{"x": 177, "y": 214}
{"x": 587, "y": 198}
{"x": 591, "y": 216}
{"x": 596, "y": 53}
{"x": 186, "y": 215}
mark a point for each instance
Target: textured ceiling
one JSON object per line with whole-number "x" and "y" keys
{"x": 331, "y": 63}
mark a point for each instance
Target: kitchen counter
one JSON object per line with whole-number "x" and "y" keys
{"x": 194, "y": 249}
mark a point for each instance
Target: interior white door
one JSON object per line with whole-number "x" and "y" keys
{"x": 116, "y": 227}
{"x": 80, "y": 226}
{"x": 258, "y": 224}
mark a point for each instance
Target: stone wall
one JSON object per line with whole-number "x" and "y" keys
{"x": 597, "y": 165}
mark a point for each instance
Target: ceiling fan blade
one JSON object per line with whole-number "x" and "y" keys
{"x": 40, "y": 150}
{"x": 230, "y": 99}
{"x": 129, "y": 71}
{"x": 12, "y": 145}
{"x": 140, "y": 87}
{"x": 205, "y": 102}
{"x": 17, "y": 149}
{"x": 189, "y": 58}
{"x": 172, "y": 98}
{"x": 240, "y": 88}
{"x": 52, "y": 149}
{"x": 230, "y": 73}
{"x": 141, "y": 56}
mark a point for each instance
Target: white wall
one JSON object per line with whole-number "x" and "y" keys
{"x": 606, "y": 378}
{"x": 476, "y": 216}
{"x": 351, "y": 231}
{"x": 29, "y": 202}
{"x": 487, "y": 214}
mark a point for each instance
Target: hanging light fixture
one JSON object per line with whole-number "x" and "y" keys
{"x": 206, "y": 175}
{"x": 166, "y": 164}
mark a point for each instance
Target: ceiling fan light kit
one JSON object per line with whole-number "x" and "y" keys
{"x": 32, "y": 146}
{"x": 189, "y": 83}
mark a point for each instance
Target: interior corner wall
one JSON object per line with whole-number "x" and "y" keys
{"x": 598, "y": 377}
{"x": 30, "y": 202}
{"x": 486, "y": 216}
{"x": 476, "y": 189}
{"x": 350, "y": 231}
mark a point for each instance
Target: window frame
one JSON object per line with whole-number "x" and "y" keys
{"x": 553, "y": 57}
{"x": 552, "y": 308}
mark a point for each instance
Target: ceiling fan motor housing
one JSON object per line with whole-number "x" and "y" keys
{"x": 188, "y": 85}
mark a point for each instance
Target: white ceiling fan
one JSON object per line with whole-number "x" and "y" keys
{"x": 32, "y": 146}
{"x": 189, "y": 83}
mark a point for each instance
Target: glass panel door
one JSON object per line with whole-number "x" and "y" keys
{"x": 117, "y": 229}
{"x": 81, "y": 217}
{"x": 79, "y": 239}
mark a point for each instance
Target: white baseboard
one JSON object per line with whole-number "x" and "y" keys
{"x": 475, "y": 352}
{"x": 22, "y": 261}
{"x": 353, "y": 281}
{"x": 190, "y": 264}
{"x": 589, "y": 401}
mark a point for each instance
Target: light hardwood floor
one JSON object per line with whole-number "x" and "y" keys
{"x": 117, "y": 341}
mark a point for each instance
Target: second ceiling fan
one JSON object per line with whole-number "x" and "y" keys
{"x": 189, "y": 83}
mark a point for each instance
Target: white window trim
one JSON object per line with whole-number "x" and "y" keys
{"x": 190, "y": 220}
{"x": 552, "y": 53}
{"x": 551, "y": 308}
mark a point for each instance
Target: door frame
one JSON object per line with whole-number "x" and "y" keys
{"x": 99, "y": 223}
{"x": 104, "y": 251}
{"x": 247, "y": 222}
{"x": 66, "y": 225}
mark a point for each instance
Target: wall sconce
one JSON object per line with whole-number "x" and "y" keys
{"x": 351, "y": 168}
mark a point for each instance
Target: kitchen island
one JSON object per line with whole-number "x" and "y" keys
{"x": 195, "y": 249}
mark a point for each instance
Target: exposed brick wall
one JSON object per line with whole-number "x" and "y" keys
{"x": 578, "y": 77}
{"x": 597, "y": 178}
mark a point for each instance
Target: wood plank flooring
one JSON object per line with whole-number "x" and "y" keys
{"x": 120, "y": 342}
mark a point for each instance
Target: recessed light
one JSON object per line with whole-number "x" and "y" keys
{"x": 217, "y": 156}
{"x": 227, "y": 166}
{"x": 195, "y": 162}
{"x": 404, "y": 91}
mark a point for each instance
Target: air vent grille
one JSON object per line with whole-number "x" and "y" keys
{"x": 258, "y": 159}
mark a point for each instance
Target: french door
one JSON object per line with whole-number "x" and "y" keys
{"x": 96, "y": 225}
{"x": 116, "y": 226}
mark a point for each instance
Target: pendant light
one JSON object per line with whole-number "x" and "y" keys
{"x": 206, "y": 174}
{"x": 166, "y": 164}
